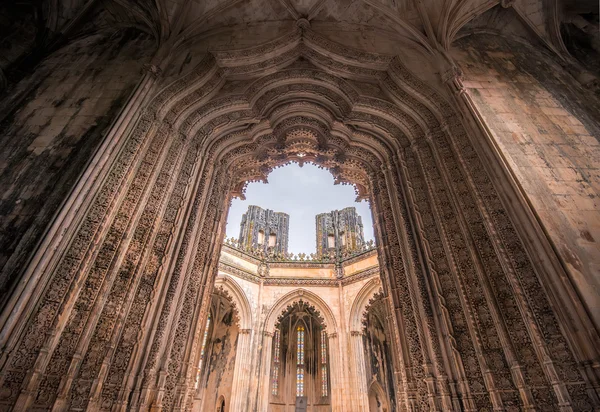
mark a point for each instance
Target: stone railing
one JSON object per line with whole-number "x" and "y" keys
{"x": 271, "y": 256}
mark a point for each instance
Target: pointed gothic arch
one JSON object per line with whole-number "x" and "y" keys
{"x": 301, "y": 295}
{"x": 162, "y": 186}
{"x": 240, "y": 299}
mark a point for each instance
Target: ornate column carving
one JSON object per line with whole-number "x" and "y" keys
{"x": 515, "y": 367}
{"x": 265, "y": 371}
{"x": 443, "y": 323}
{"x": 360, "y": 371}
{"x": 241, "y": 374}
{"x": 418, "y": 293}
{"x": 453, "y": 285}
{"x": 405, "y": 331}
{"x": 529, "y": 321}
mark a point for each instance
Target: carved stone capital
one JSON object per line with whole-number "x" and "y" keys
{"x": 268, "y": 334}
{"x": 355, "y": 333}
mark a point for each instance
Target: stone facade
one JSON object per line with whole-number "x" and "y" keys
{"x": 262, "y": 291}
{"x": 461, "y": 142}
{"x": 339, "y": 232}
{"x": 264, "y": 229}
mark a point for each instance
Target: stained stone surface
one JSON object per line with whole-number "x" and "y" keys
{"x": 126, "y": 128}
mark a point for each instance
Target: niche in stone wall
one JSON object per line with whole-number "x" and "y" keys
{"x": 378, "y": 355}
{"x": 300, "y": 361}
{"x": 214, "y": 378}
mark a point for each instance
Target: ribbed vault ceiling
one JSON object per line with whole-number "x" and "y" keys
{"x": 430, "y": 24}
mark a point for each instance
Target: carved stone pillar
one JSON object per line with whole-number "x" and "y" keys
{"x": 265, "y": 372}
{"x": 360, "y": 371}
{"x": 337, "y": 395}
{"x": 241, "y": 374}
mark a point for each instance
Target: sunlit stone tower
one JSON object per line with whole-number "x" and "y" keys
{"x": 339, "y": 231}
{"x": 264, "y": 229}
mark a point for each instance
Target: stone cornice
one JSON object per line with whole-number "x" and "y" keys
{"x": 363, "y": 274}
{"x": 359, "y": 257}
{"x": 301, "y": 265}
{"x": 238, "y": 272}
{"x": 270, "y": 281}
{"x": 236, "y": 252}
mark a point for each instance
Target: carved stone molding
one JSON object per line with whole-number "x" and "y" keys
{"x": 114, "y": 323}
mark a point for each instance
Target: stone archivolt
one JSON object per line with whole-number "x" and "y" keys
{"x": 111, "y": 316}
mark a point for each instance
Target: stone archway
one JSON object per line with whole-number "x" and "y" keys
{"x": 360, "y": 377}
{"x": 322, "y": 310}
{"x": 118, "y": 290}
{"x": 377, "y": 399}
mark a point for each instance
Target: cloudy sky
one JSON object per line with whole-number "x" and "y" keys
{"x": 302, "y": 193}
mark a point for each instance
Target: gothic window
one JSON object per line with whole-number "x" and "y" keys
{"x": 261, "y": 237}
{"x": 343, "y": 238}
{"x": 300, "y": 362}
{"x": 324, "y": 388}
{"x": 272, "y": 239}
{"x": 202, "y": 350}
{"x": 331, "y": 241}
{"x": 276, "y": 352}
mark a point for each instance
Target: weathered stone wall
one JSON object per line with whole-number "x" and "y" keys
{"x": 221, "y": 363}
{"x": 52, "y": 122}
{"x": 546, "y": 126}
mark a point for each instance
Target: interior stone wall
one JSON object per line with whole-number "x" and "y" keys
{"x": 221, "y": 362}
{"x": 51, "y": 123}
{"x": 546, "y": 126}
{"x": 376, "y": 341}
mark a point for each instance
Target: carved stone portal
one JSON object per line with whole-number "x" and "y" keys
{"x": 110, "y": 315}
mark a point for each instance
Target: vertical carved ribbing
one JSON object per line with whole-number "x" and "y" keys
{"x": 443, "y": 271}
{"x": 549, "y": 345}
{"x": 402, "y": 372}
{"x": 199, "y": 278}
{"x": 484, "y": 339}
{"x": 45, "y": 327}
{"x": 399, "y": 292}
{"x": 418, "y": 290}
{"x": 492, "y": 279}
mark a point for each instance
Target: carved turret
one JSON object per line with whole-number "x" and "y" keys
{"x": 339, "y": 232}
{"x": 264, "y": 229}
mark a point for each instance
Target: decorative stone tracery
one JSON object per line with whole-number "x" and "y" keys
{"x": 469, "y": 320}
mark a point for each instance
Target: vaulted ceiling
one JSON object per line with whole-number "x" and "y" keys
{"x": 425, "y": 24}
{"x": 428, "y": 23}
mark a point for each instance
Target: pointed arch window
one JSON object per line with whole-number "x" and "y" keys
{"x": 276, "y": 350}
{"x": 202, "y": 350}
{"x": 324, "y": 384}
{"x": 300, "y": 361}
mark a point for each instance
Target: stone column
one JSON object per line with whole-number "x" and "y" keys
{"x": 265, "y": 371}
{"x": 241, "y": 374}
{"x": 360, "y": 371}
{"x": 335, "y": 363}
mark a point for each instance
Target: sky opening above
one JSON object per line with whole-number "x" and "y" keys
{"x": 301, "y": 192}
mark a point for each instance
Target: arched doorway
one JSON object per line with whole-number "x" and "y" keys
{"x": 377, "y": 341}
{"x": 221, "y": 405}
{"x": 377, "y": 399}
{"x": 217, "y": 353}
{"x": 300, "y": 362}
{"x": 111, "y": 308}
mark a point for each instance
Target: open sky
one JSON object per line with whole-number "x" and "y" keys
{"x": 302, "y": 193}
